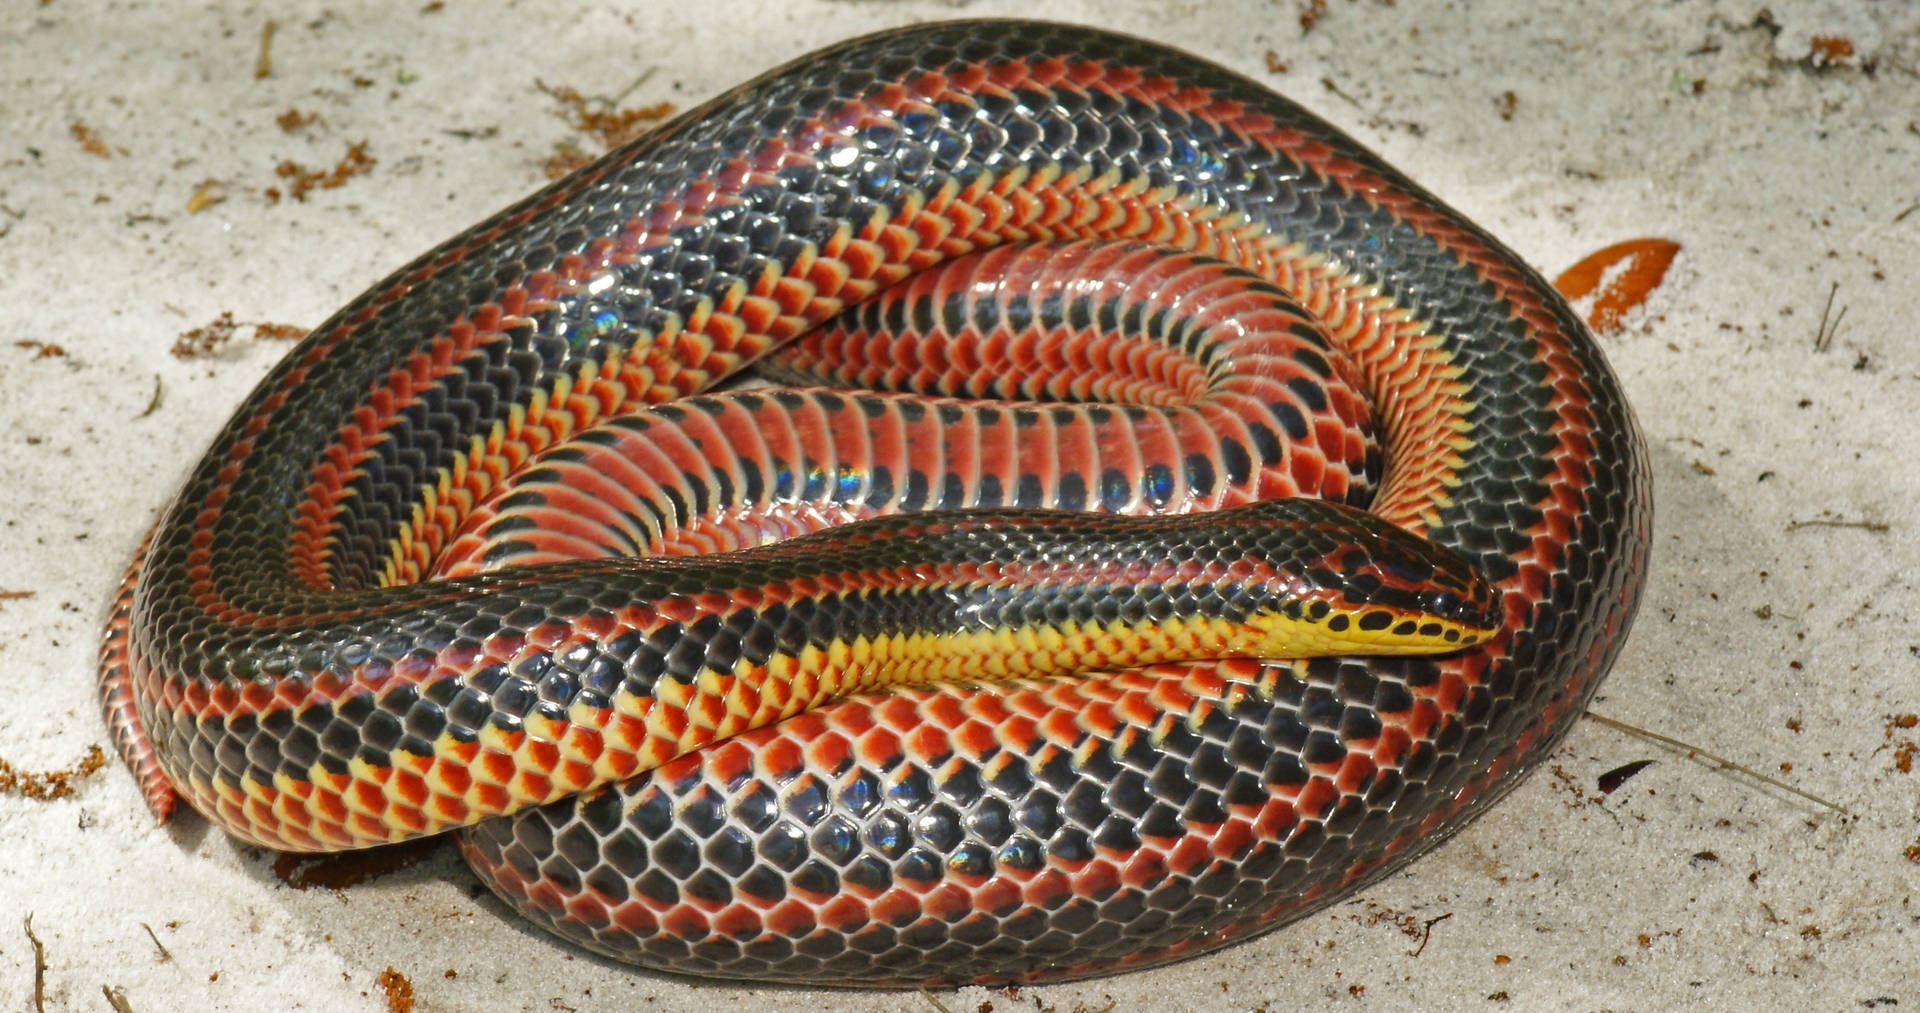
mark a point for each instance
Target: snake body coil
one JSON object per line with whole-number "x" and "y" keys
{"x": 355, "y": 624}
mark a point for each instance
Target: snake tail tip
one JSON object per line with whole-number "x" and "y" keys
{"x": 161, "y": 800}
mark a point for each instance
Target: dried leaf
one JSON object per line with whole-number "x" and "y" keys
{"x": 1618, "y": 277}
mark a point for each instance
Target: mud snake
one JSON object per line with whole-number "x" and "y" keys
{"x": 286, "y": 657}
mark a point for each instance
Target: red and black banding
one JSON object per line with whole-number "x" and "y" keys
{"x": 1014, "y": 832}
{"x": 1216, "y": 390}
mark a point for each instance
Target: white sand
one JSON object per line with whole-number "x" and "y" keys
{"x": 1785, "y": 648}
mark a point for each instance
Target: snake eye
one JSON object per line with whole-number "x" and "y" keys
{"x": 1452, "y": 606}
{"x": 1474, "y": 607}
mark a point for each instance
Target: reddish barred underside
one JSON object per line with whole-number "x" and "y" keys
{"x": 408, "y": 648}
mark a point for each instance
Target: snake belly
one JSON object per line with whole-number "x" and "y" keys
{"x": 1027, "y": 832}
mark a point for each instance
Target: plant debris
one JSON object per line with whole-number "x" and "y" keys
{"x": 1619, "y": 278}
{"x": 208, "y": 338}
{"x": 49, "y": 784}
{"x": 611, "y": 125}
{"x": 302, "y": 181}
{"x": 89, "y": 141}
{"x": 399, "y": 990}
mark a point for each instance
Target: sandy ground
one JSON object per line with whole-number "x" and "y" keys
{"x": 1778, "y": 629}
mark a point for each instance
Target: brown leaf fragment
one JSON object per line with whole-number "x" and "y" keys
{"x": 89, "y": 141}
{"x": 1829, "y": 49}
{"x": 301, "y": 180}
{"x": 602, "y": 118}
{"x": 49, "y": 784}
{"x": 294, "y": 119}
{"x": 1619, "y": 278}
{"x": 399, "y": 990}
{"x": 1310, "y": 14}
{"x": 209, "y": 338}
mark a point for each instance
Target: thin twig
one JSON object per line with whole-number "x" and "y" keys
{"x": 1823, "y": 337}
{"x": 1877, "y": 527}
{"x": 164, "y": 955}
{"x": 1426, "y": 934}
{"x": 935, "y": 1003}
{"x": 645, "y": 76}
{"x": 153, "y": 403}
{"x": 1715, "y": 762}
{"x": 39, "y": 968}
{"x": 263, "y": 64}
{"x": 1327, "y": 83}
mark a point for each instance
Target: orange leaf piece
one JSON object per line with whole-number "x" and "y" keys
{"x": 1629, "y": 270}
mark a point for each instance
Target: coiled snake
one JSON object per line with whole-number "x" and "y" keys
{"x": 358, "y": 622}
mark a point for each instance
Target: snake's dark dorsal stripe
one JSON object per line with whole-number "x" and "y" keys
{"x": 674, "y": 261}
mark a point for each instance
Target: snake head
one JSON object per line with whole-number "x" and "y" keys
{"x": 1364, "y": 586}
